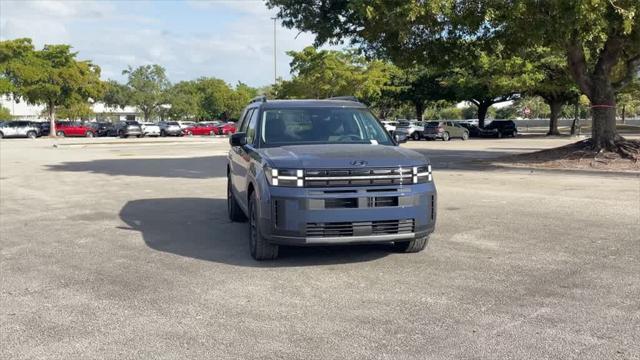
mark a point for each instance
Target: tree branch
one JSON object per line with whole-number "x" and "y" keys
{"x": 609, "y": 55}
{"x": 578, "y": 66}
{"x": 474, "y": 102}
{"x": 633, "y": 67}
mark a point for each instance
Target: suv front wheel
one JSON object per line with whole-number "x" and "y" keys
{"x": 260, "y": 248}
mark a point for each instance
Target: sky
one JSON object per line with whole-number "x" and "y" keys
{"x": 231, "y": 40}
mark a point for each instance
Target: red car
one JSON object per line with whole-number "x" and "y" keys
{"x": 199, "y": 129}
{"x": 74, "y": 129}
{"x": 225, "y": 129}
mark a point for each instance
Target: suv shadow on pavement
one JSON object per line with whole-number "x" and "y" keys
{"x": 189, "y": 168}
{"x": 199, "y": 228}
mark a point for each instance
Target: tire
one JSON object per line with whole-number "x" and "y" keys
{"x": 259, "y": 247}
{"x": 465, "y": 136}
{"x": 32, "y": 135}
{"x": 163, "y": 133}
{"x": 1, "y": 135}
{"x": 233, "y": 209}
{"x": 138, "y": 136}
{"x": 415, "y": 136}
{"x": 60, "y": 133}
{"x": 514, "y": 133}
{"x": 499, "y": 135}
{"x": 445, "y": 136}
{"x": 189, "y": 133}
{"x": 88, "y": 134}
{"x": 211, "y": 133}
{"x": 411, "y": 246}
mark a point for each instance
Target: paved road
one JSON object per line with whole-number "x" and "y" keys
{"x": 123, "y": 250}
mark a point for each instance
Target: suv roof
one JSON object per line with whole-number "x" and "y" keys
{"x": 278, "y": 104}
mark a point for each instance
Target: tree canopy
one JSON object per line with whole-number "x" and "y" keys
{"x": 147, "y": 88}
{"x": 319, "y": 74}
{"x": 600, "y": 39}
{"x": 51, "y": 76}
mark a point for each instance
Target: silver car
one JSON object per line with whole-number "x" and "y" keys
{"x": 19, "y": 129}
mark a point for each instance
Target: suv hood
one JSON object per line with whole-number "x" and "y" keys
{"x": 340, "y": 156}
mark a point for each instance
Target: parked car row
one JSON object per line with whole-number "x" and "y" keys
{"x": 447, "y": 130}
{"x": 123, "y": 129}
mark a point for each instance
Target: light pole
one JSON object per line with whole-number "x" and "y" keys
{"x": 275, "y": 66}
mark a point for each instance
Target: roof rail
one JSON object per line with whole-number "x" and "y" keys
{"x": 261, "y": 98}
{"x": 348, "y": 98}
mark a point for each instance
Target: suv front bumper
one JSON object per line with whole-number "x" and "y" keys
{"x": 350, "y": 215}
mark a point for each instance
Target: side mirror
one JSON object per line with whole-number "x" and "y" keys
{"x": 400, "y": 138}
{"x": 238, "y": 139}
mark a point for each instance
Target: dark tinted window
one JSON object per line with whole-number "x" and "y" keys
{"x": 432, "y": 124}
{"x": 245, "y": 120}
{"x": 321, "y": 126}
{"x": 251, "y": 126}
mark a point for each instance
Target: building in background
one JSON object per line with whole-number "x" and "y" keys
{"x": 20, "y": 110}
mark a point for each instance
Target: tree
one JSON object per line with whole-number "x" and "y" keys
{"x": 487, "y": 79}
{"x": 51, "y": 76}
{"x": 556, "y": 86}
{"x": 507, "y": 112}
{"x": 327, "y": 73}
{"x": 116, "y": 95}
{"x": 216, "y": 98}
{"x": 450, "y": 113}
{"x": 242, "y": 94}
{"x": 74, "y": 111}
{"x": 147, "y": 88}
{"x": 185, "y": 101}
{"x": 600, "y": 38}
{"x": 629, "y": 100}
{"x": 419, "y": 85}
{"x": 5, "y": 113}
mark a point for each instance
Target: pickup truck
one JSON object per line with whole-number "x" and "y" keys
{"x": 325, "y": 172}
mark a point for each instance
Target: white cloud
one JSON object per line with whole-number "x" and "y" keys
{"x": 117, "y": 34}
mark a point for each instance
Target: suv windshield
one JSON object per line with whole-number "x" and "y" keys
{"x": 321, "y": 126}
{"x": 433, "y": 124}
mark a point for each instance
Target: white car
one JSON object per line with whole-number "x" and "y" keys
{"x": 412, "y": 128}
{"x": 150, "y": 129}
{"x": 186, "y": 124}
{"x": 390, "y": 126}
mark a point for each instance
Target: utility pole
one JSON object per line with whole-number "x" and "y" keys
{"x": 275, "y": 66}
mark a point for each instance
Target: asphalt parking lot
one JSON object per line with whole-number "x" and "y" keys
{"x": 122, "y": 249}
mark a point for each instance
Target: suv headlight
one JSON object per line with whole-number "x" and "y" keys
{"x": 285, "y": 177}
{"x": 422, "y": 174}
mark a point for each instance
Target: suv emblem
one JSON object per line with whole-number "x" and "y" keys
{"x": 359, "y": 163}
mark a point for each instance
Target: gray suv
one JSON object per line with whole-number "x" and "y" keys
{"x": 325, "y": 172}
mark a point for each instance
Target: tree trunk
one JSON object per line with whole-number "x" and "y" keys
{"x": 624, "y": 110}
{"x": 482, "y": 112}
{"x": 419, "y": 110}
{"x": 574, "y": 125}
{"x": 603, "y": 110}
{"x": 52, "y": 120}
{"x": 556, "y": 108}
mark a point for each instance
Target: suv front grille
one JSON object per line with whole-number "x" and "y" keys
{"x": 340, "y": 229}
{"x": 357, "y": 177}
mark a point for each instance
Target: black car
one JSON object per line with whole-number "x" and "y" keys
{"x": 504, "y": 127}
{"x": 104, "y": 129}
{"x": 44, "y": 126}
{"x": 476, "y": 131}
